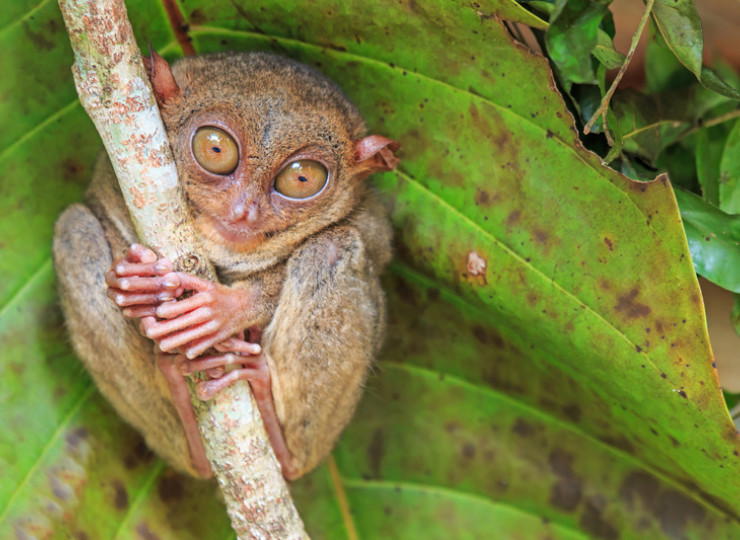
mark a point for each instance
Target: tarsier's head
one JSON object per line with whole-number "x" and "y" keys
{"x": 265, "y": 147}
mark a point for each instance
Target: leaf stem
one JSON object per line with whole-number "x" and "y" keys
{"x": 702, "y": 124}
{"x": 602, "y": 110}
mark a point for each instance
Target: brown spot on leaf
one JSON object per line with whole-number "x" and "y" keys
{"x": 640, "y": 486}
{"x": 513, "y": 218}
{"x": 593, "y": 522}
{"x": 609, "y": 243}
{"x": 482, "y": 197}
{"x": 572, "y": 412}
{"x": 76, "y": 437}
{"x": 145, "y": 533}
{"x": 468, "y": 451}
{"x": 376, "y": 451}
{"x": 629, "y": 307}
{"x": 120, "y": 495}
{"x": 674, "y": 510}
{"x": 487, "y": 336}
{"x": 540, "y": 236}
{"x": 566, "y": 493}
{"x": 139, "y": 454}
{"x": 170, "y": 487}
{"x": 522, "y": 428}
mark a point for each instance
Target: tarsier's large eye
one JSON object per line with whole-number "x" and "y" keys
{"x": 301, "y": 179}
{"x": 215, "y": 150}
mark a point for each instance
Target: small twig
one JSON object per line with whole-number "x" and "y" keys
{"x": 710, "y": 123}
{"x": 602, "y": 110}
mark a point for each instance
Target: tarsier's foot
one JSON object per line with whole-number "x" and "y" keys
{"x": 251, "y": 366}
{"x": 244, "y": 357}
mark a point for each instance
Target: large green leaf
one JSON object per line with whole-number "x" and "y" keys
{"x": 547, "y": 371}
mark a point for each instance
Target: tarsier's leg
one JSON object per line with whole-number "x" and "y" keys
{"x": 321, "y": 341}
{"x": 113, "y": 349}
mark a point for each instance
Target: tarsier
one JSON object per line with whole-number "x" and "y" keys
{"x": 272, "y": 157}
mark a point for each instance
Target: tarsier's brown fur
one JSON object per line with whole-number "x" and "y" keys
{"x": 313, "y": 266}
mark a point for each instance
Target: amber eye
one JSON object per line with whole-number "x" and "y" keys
{"x": 215, "y": 150}
{"x": 301, "y": 179}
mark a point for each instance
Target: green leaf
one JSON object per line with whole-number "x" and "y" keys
{"x": 729, "y": 172}
{"x": 714, "y": 240}
{"x": 680, "y": 26}
{"x": 605, "y": 52}
{"x": 572, "y": 36}
{"x": 547, "y": 371}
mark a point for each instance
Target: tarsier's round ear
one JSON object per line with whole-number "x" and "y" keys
{"x": 160, "y": 75}
{"x": 375, "y": 153}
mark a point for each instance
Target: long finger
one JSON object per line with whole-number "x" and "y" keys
{"x": 139, "y": 253}
{"x": 175, "y": 309}
{"x": 125, "y": 299}
{"x": 182, "y": 338}
{"x": 139, "y": 311}
{"x": 157, "y": 268}
{"x": 233, "y": 344}
{"x": 188, "y": 320}
{"x": 143, "y": 284}
{"x": 194, "y": 283}
{"x": 209, "y": 362}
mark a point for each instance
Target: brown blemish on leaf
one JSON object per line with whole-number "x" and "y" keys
{"x": 513, "y": 218}
{"x": 621, "y": 442}
{"x": 609, "y": 243}
{"x": 468, "y": 451}
{"x": 139, "y": 454}
{"x": 540, "y": 236}
{"x": 593, "y": 522}
{"x": 76, "y": 437}
{"x": 145, "y": 533}
{"x": 120, "y": 495}
{"x": 376, "y": 451}
{"x": 566, "y": 493}
{"x": 170, "y": 487}
{"x": 572, "y": 412}
{"x": 487, "y": 336}
{"x": 522, "y": 428}
{"x": 482, "y": 197}
{"x": 674, "y": 510}
{"x": 640, "y": 486}
{"x": 629, "y": 307}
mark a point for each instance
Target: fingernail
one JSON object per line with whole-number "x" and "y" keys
{"x": 119, "y": 299}
{"x": 160, "y": 267}
{"x": 164, "y": 297}
{"x": 256, "y": 349}
{"x": 170, "y": 284}
{"x": 125, "y": 284}
{"x": 120, "y": 268}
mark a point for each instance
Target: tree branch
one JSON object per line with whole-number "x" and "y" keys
{"x": 115, "y": 91}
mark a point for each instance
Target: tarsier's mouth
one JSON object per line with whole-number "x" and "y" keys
{"x": 241, "y": 234}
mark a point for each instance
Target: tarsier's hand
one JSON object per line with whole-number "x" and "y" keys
{"x": 192, "y": 325}
{"x": 140, "y": 282}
